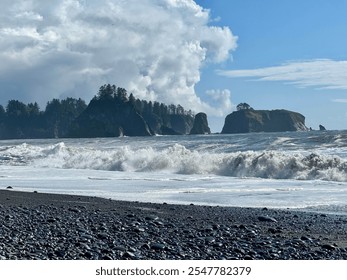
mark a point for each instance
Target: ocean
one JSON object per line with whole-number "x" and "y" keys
{"x": 295, "y": 170}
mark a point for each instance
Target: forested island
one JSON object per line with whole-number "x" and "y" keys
{"x": 111, "y": 113}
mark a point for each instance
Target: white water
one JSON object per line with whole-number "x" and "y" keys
{"x": 288, "y": 170}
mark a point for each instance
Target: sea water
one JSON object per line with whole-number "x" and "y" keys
{"x": 298, "y": 170}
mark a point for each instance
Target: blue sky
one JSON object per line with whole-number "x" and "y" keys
{"x": 207, "y": 55}
{"x": 292, "y": 55}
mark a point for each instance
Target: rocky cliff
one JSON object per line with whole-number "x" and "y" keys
{"x": 113, "y": 118}
{"x": 200, "y": 125}
{"x": 244, "y": 121}
{"x": 107, "y": 118}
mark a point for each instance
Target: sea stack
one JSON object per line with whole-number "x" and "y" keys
{"x": 200, "y": 125}
{"x": 244, "y": 121}
{"x": 322, "y": 128}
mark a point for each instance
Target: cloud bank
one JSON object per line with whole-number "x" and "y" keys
{"x": 154, "y": 48}
{"x": 320, "y": 73}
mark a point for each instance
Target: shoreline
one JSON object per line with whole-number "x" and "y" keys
{"x": 54, "y": 226}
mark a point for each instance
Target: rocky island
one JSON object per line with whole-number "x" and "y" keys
{"x": 114, "y": 113}
{"x": 250, "y": 120}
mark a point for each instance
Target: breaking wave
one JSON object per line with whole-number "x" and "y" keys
{"x": 272, "y": 164}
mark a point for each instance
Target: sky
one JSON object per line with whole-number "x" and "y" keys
{"x": 207, "y": 55}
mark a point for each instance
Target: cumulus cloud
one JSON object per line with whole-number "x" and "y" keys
{"x": 222, "y": 99}
{"x": 319, "y": 73}
{"x": 153, "y": 48}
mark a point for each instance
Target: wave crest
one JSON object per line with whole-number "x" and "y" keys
{"x": 178, "y": 159}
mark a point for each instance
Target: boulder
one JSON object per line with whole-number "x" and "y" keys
{"x": 200, "y": 125}
{"x": 244, "y": 121}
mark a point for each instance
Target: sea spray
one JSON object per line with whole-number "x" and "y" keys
{"x": 178, "y": 159}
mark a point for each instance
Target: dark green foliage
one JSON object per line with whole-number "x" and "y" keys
{"x": 110, "y": 113}
{"x": 59, "y": 115}
{"x": 113, "y": 113}
{"x": 243, "y": 106}
{"x": 21, "y": 120}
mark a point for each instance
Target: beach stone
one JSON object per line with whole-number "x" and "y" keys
{"x": 266, "y": 219}
{"x": 158, "y": 223}
{"x": 51, "y": 220}
{"x": 139, "y": 229}
{"x": 128, "y": 254}
{"x": 103, "y": 235}
{"x": 88, "y": 255}
{"x": 120, "y": 248}
{"x": 210, "y": 239}
{"x": 157, "y": 246}
{"x": 151, "y": 218}
{"x": 75, "y": 210}
{"x": 45, "y": 229}
{"x": 329, "y": 247}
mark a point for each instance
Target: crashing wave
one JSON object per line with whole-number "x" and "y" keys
{"x": 180, "y": 160}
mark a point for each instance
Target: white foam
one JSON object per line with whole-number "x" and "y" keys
{"x": 178, "y": 189}
{"x": 178, "y": 159}
{"x": 235, "y": 170}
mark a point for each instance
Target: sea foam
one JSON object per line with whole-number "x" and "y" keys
{"x": 178, "y": 159}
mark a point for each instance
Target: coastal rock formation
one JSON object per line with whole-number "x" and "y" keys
{"x": 200, "y": 125}
{"x": 181, "y": 123}
{"x": 107, "y": 118}
{"x": 322, "y": 128}
{"x": 244, "y": 121}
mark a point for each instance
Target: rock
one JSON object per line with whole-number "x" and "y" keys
{"x": 9, "y": 188}
{"x": 266, "y": 219}
{"x": 322, "y": 128}
{"x": 107, "y": 118}
{"x": 200, "y": 125}
{"x": 164, "y": 130}
{"x": 138, "y": 230}
{"x": 182, "y": 124}
{"x": 120, "y": 248}
{"x": 151, "y": 218}
{"x": 128, "y": 254}
{"x": 74, "y": 210}
{"x": 209, "y": 239}
{"x": 51, "y": 220}
{"x": 158, "y": 246}
{"x": 245, "y": 121}
{"x": 328, "y": 247}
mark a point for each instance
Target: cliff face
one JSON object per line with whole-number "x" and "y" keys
{"x": 244, "y": 121}
{"x": 107, "y": 118}
{"x": 181, "y": 123}
{"x": 200, "y": 125}
{"x": 169, "y": 125}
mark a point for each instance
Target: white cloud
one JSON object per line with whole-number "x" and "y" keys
{"x": 340, "y": 100}
{"x": 222, "y": 100}
{"x": 320, "y": 73}
{"x": 153, "y": 48}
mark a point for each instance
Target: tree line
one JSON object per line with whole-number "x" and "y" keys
{"x": 20, "y": 120}
{"x": 119, "y": 94}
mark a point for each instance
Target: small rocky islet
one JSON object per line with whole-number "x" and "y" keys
{"x": 36, "y": 226}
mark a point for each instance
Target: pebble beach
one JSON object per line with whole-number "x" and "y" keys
{"x": 37, "y": 226}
